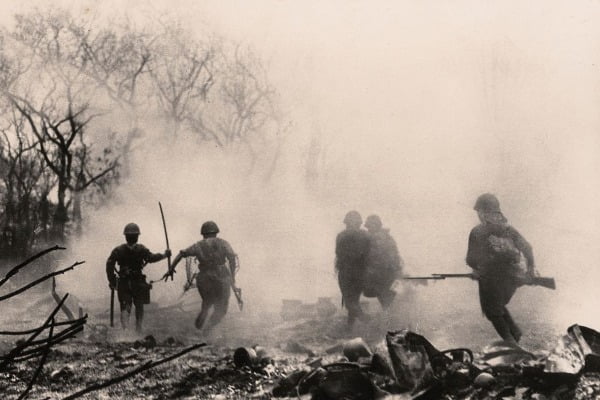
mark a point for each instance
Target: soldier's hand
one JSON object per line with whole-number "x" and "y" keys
{"x": 112, "y": 285}
{"x": 168, "y": 274}
{"x": 475, "y": 275}
{"x": 167, "y": 253}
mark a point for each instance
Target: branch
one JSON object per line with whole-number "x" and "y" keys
{"x": 16, "y": 269}
{"x": 38, "y": 281}
{"x": 40, "y": 366}
{"x": 95, "y": 178}
{"x": 43, "y": 343}
{"x": 146, "y": 366}
{"x": 18, "y": 333}
{"x": 15, "y": 352}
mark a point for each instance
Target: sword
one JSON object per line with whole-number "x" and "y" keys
{"x": 162, "y": 214}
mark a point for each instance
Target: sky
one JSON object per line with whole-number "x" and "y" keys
{"x": 420, "y": 106}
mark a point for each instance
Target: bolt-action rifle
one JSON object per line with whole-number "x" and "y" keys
{"x": 543, "y": 281}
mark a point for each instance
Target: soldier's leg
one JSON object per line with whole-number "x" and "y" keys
{"x": 512, "y": 325}
{"x": 139, "y": 315}
{"x": 490, "y": 296}
{"x": 508, "y": 290}
{"x": 125, "y": 302}
{"x": 350, "y": 296}
{"x": 386, "y": 298}
{"x": 221, "y": 305}
{"x": 207, "y": 300}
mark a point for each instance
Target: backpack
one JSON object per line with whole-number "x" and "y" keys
{"x": 503, "y": 250}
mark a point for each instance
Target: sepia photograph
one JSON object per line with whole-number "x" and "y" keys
{"x": 314, "y": 200}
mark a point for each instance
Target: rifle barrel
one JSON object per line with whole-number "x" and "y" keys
{"x": 454, "y": 275}
{"x": 423, "y": 277}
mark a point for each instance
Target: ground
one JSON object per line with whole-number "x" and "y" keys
{"x": 102, "y": 352}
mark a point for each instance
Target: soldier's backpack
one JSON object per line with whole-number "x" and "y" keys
{"x": 503, "y": 250}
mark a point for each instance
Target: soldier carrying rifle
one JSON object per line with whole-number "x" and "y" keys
{"x": 494, "y": 254}
{"x": 217, "y": 263}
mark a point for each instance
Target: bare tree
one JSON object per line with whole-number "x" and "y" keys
{"x": 182, "y": 75}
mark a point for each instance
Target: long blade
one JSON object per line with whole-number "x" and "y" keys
{"x": 162, "y": 214}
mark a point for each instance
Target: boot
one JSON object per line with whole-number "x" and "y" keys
{"x": 514, "y": 328}
{"x": 125, "y": 319}
{"x": 503, "y": 329}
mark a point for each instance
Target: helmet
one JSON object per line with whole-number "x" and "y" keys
{"x": 373, "y": 222}
{"x": 353, "y": 217}
{"x": 209, "y": 227}
{"x": 487, "y": 202}
{"x": 131, "y": 229}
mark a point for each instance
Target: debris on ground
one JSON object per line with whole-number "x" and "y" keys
{"x": 420, "y": 371}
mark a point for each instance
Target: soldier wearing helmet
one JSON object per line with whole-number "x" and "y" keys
{"x": 383, "y": 264}
{"x": 351, "y": 249}
{"x": 494, "y": 253}
{"x": 130, "y": 283}
{"x": 217, "y": 264}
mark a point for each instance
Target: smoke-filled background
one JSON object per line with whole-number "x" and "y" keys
{"x": 409, "y": 110}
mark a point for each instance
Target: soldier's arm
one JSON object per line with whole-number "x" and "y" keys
{"x": 178, "y": 258}
{"x": 150, "y": 257}
{"x": 525, "y": 248}
{"x": 231, "y": 259}
{"x": 473, "y": 251}
{"x": 182, "y": 254}
{"x": 110, "y": 269}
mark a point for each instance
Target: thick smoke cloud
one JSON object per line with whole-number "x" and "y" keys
{"x": 418, "y": 109}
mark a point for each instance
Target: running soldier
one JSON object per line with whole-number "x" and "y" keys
{"x": 130, "y": 283}
{"x": 217, "y": 264}
{"x": 494, "y": 253}
{"x": 383, "y": 264}
{"x": 351, "y": 249}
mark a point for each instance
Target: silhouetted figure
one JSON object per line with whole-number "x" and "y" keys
{"x": 217, "y": 265}
{"x": 351, "y": 249}
{"x": 130, "y": 283}
{"x": 383, "y": 264}
{"x": 494, "y": 253}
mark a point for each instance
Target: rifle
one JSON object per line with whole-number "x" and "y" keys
{"x": 543, "y": 281}
{"x": 435, "y": 277}
{"x": 238, "y": 296}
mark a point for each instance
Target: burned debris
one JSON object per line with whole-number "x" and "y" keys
{"x": 412, "y": 368}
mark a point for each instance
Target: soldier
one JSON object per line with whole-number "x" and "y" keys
{"x": 131, "y": 284}
{"x": 217, "y": 264}
{"x": 494, "y": 253}
{"x": 383, "y": 265}
{"x": 351, "y": 249}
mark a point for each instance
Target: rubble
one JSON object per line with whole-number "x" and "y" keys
{"x": 420, "y": 371}
{"x": 292, "y": 309}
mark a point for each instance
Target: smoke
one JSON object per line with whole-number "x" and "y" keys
{"x": 417, "y": 109}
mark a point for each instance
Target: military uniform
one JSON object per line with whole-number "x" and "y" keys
{"x": 383, "y": 266}
{"x": 131, "y": 284}
{"x": 352, "y": 247}
{"x": 494, "y": 251}
{"x": 216, "y": 264}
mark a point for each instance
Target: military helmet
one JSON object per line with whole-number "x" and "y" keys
{"x": 488, "y": 203}
{"x": 353, "y": 217}
{"x": 373, "y": 222}
{"x": 209, "y": 227}
{"x": 131, "y": 229}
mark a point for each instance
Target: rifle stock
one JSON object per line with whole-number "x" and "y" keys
{"x": 238, "y": 296}
{"x": 544, "y": 281}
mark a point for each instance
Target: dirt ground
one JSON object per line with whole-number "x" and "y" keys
{"x": 101, "y": 352}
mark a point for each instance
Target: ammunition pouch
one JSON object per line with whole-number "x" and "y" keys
{"x": 144, "y": 290}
